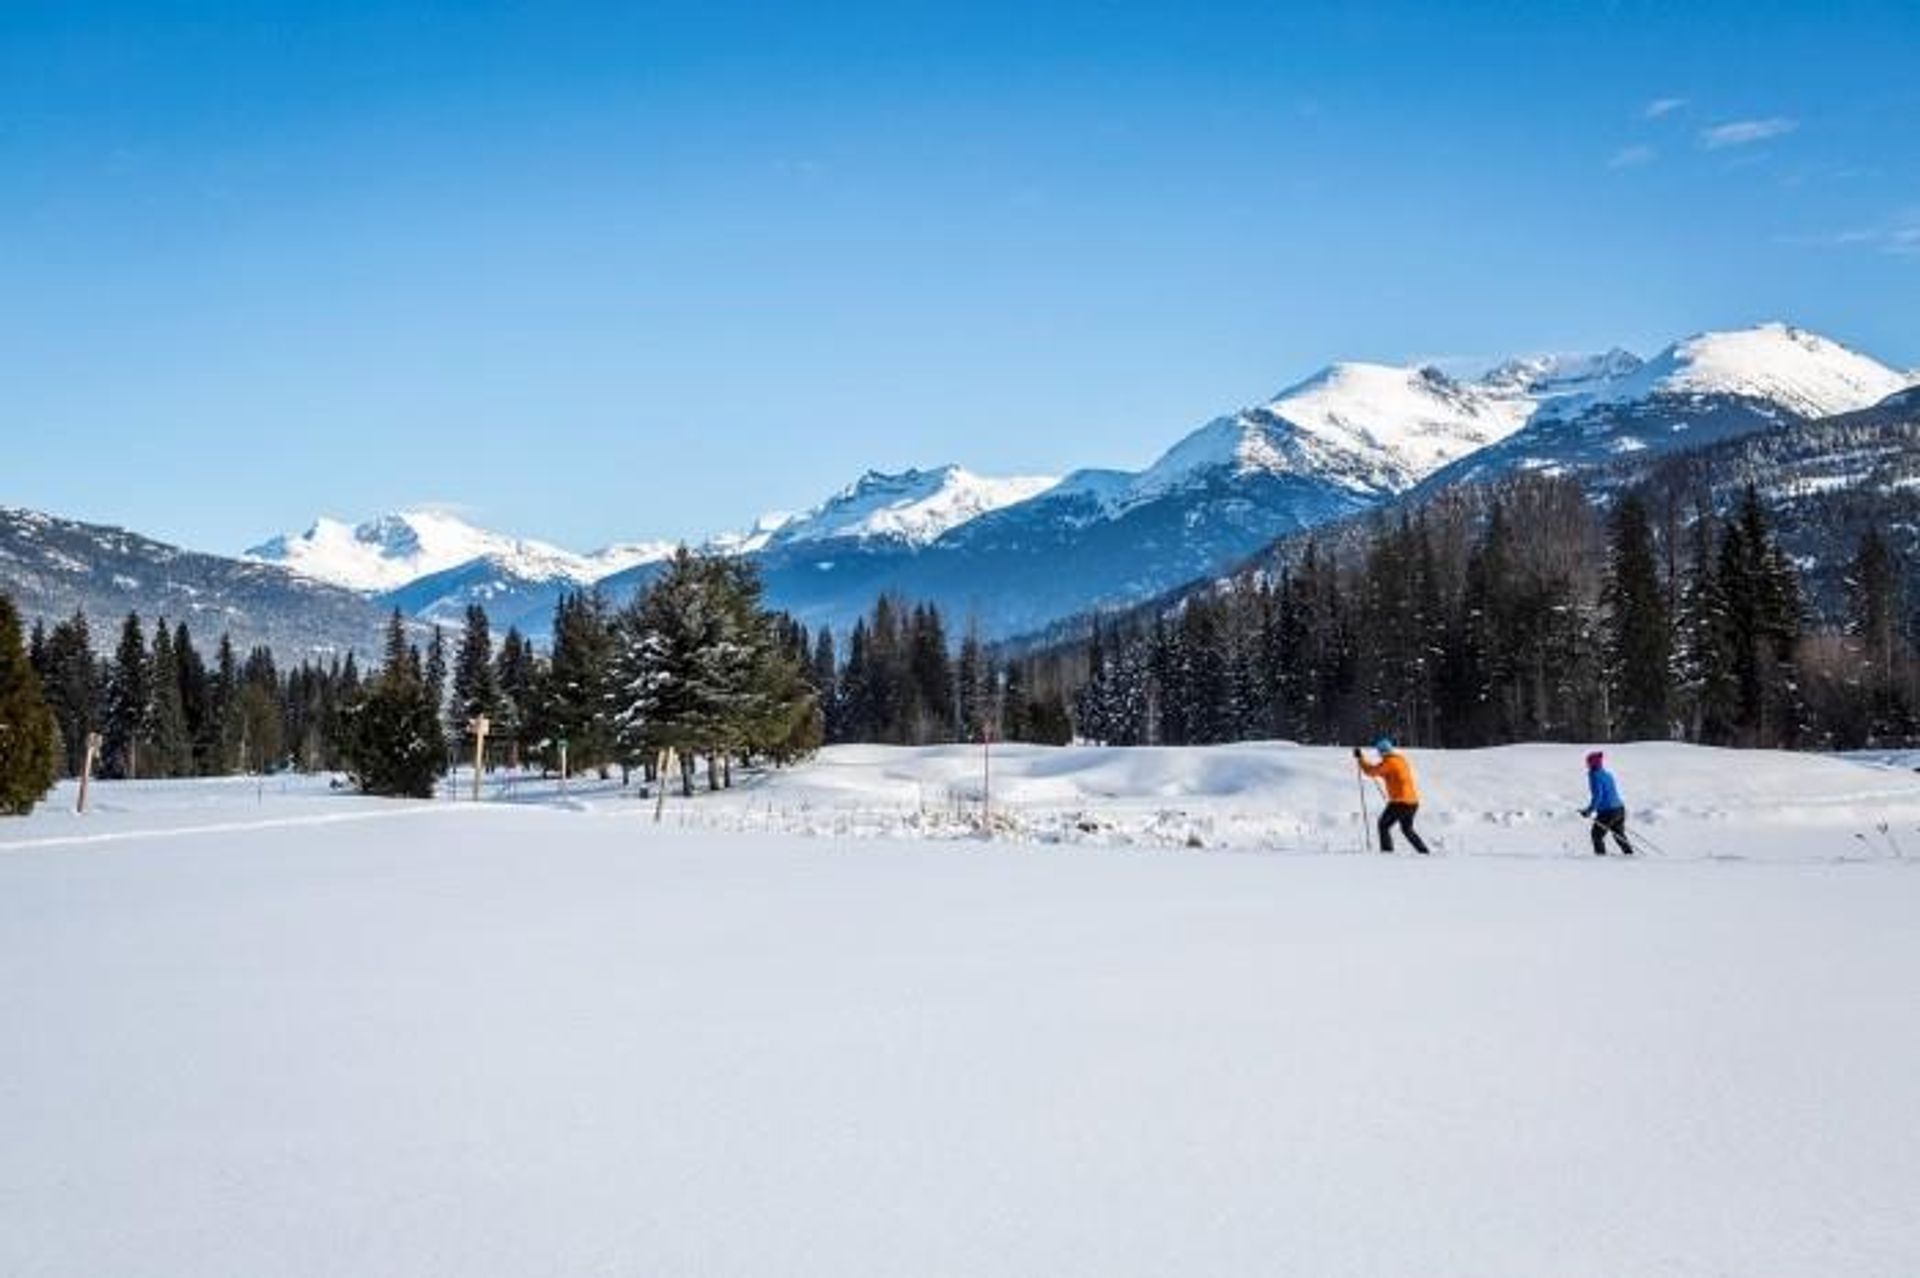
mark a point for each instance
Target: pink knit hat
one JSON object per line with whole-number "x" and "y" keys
{"x": 1595, "y": 759}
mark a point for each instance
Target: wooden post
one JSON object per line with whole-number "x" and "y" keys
{"x": 662, "y": 763}
{"x": 563, "y": 765}
{"x": 478, "y": 726}
{"x": 86, "y": 769}
{"x": 986, "y": 780}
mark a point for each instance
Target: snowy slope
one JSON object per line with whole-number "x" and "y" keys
{"x": 52, "y": 567}
{"x": 1707, "y": 388}
{"x": 291, "y": 1034}
{"x": 1803, "y": 373}
{"x": 912, "y": 507}
{"x": 397, "y": 549}
{"x": 1373, "y": 427}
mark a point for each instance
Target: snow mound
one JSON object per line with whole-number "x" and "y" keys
{"x": 1690, "y": 802}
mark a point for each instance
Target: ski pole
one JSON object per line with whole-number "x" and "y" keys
{"x": 1635, "y": 839}
{"x": 1366, "y": 818}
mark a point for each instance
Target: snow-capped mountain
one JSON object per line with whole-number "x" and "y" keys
{"x": 1709, "y": 387}
{"x": 1016, "y": 553}
{"x": 912, "y": 507}
{"x": 1801, "y": 372}
{"x": 1351, "y": 435}
{"x": 53, "y": 567}
{"x": 405, "y": 546}
{"x": 1544, "y": 377}
{"x": 1372, "y": 428}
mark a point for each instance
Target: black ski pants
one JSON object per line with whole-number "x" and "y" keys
{"x": 1400, "y": 814}
{"x": 1613, "y": 821}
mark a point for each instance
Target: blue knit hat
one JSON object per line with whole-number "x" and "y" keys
{"x": 1384, "y": 745}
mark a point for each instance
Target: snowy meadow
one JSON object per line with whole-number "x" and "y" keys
{"x": 1169, "y": 1020}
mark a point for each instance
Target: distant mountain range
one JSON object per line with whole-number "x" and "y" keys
{"x": 1014, "y": 555}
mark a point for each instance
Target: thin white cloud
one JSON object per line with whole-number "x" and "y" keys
{"x": 1743, "y": 132}
{"x": 1661, "y": 106}
{"x": 1898, "y": 236}
{"x": 1632, "y": 157}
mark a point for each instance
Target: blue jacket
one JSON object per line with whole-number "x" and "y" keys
{"x": 1603, "y": 793}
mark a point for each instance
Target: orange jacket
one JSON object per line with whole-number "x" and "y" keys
{"x": 1397, "y": 773}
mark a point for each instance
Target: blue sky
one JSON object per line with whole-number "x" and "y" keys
{"x": 600, "y": 272}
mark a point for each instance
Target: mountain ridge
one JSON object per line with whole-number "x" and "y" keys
{"x": 1011, "y": 554}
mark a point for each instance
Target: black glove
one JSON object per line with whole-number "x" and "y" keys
{"x": 1356, "y": 752}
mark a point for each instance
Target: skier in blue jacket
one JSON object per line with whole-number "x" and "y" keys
{"x": 1605, "y": 808}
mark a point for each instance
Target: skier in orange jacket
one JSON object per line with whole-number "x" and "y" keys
{"x": 1403, "y": 797}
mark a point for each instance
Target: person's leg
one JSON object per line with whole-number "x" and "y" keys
{"x": 1388, "y": 815}
{"x": 1407, "y": 811}
{"x": 1617, "y": 823}
{"x": 1598, "y": 829}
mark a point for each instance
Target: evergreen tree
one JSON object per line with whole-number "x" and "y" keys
{"x": 973, "y": 687}
{"x": 394, "y": 742}
{"x": 513, "y": 674}
{"x": 223, "y": 696}
{"x": 433, "y": 673}
{"x": 474, "y": 692}
{"x": 576, "y": 701}
{"x": 1093, "y": 704}
{"x": 1015, "y": 712}
{"x": 72, "y": 688}
{"x": 27, "y": 729}
{"x": 930, "y": 670}
{"x": 699, "y": 671}
{"x": 1874, "y": 612}
{"x": 127, "y": 704}
{"x": 826, "y": 684}
{"x": 1638, "y": 631}
{"x": 859, "y": 715}
{"x": 168, "y": 748}
{"x": 196, "y": 702}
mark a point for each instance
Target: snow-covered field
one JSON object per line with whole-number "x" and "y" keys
{"x": 265, "y": 1029}
{"x": 1688, "y": 803}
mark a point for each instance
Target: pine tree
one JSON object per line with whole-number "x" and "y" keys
{"x": 1093, "y": 704}
{"x": 394, "y": 742}
{"x": 683, "y": 667}
{"x": 826, "y": 685}
{"x": 1874, "y": 609}
{"x": 223, "y": 697}
{"x": 27, "y": 728}
{"x": 196, "y": 701}
{"x": 71, "y": 686}
{"x": 262, "y": 724}
{"x": 127, "y": 704}
{"x": 930, "y": 669}
{"x": 859, "y": 714}
{"x": 474, "y": 692}
{"x": 168, "y": 747}
{"x": 1639, "y": 643}
{"x": 514, "y": 673}
{"x": 1015, "y": 712}
{"x": 433, "y": 673}
{"x": 578, "y": 695}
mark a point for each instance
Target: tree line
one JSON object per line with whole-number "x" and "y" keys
{"x": 159, "y": 707}
{"x": 1520, "y": 613}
